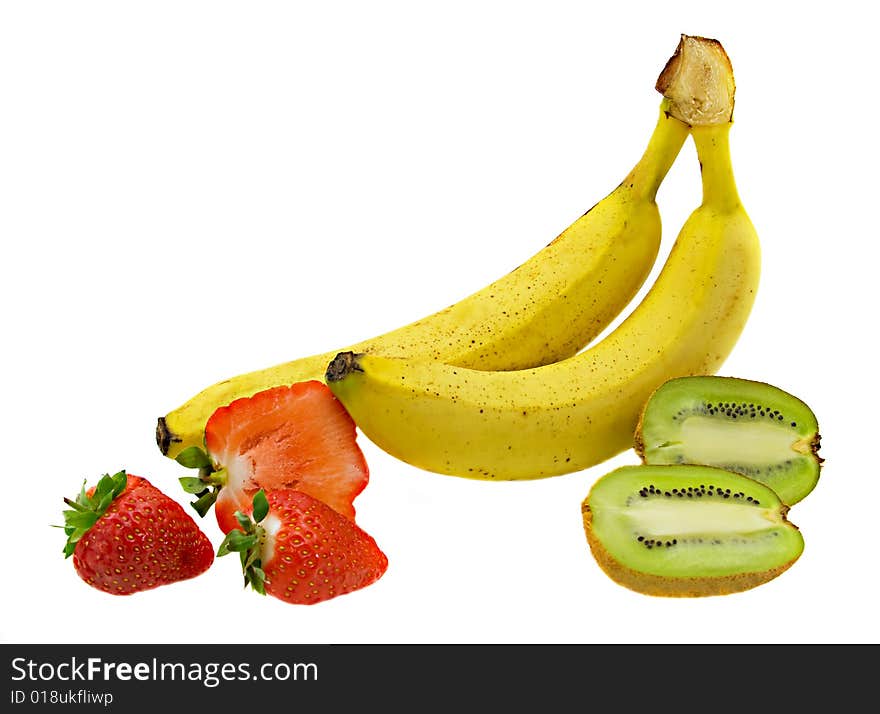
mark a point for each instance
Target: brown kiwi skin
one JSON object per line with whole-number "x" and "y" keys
{"x": 638, "y": 441}
{"x": 660, "y": 586}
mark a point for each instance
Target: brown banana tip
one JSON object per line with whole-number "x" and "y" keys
{"x": 164, "y": 436}
{"x": 341, "y": 366}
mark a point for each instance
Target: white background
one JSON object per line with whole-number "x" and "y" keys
{"x": 190, "y": 190}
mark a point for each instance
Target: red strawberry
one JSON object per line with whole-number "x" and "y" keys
{"x": 300, "y": 550}
{"x": 126, "y": 536}
{"x": 297, "y": 436}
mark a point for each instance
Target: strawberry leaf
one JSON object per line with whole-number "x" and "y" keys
{"x": 250, "y": 558}
{"x": 244, "y": 520}
{"x": 85, "y": 511}
{"x": 76, "y": 505}
{"x": 207, "y": 484}
{"x": 80, "y": 519}
{"x": 105, "y": 501}
{"x": 239, "y": 542}
{"x": 204, "y": 502}
{"x": 261, "y": 506}
{"x": 248, "y": 543}
{"x": 227, "y": 545}
{"x": 257, "y": 579}
{"x": 193, "y": 484}
{"x": 193, "y": 458}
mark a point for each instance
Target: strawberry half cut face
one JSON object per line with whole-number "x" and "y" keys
{"x": 296, "y": 437}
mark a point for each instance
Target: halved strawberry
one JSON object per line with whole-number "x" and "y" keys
{"x": 297, "y": 437}
{"x": 299, "y": 550}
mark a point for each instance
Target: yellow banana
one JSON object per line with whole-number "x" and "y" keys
{"x": 575, "y": 413}
{"x": 545, "y": 310}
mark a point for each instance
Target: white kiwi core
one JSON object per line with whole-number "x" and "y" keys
{"x": 660, "y": 517}
{"x": 750, "y": 444}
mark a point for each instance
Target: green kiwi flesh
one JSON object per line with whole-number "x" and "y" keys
{"x": 688, "y": 531}
{"x": 745, "y": 426}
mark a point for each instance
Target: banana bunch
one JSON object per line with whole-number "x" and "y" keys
{"x": 544, "y": 311}
{"x": 576, "y": 412}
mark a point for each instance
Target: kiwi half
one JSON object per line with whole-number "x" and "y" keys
{"x": 740, "y": 425}
{"x": 688, "y": 531}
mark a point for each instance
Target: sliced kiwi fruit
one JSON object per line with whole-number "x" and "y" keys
{"x": 688, "y": 531}
{"x": 740, "y": 425}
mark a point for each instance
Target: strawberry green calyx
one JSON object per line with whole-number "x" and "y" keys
{"x": 248, "y": 543}
{"x": 85, "y": 511}
{"x": 207, "y": 484}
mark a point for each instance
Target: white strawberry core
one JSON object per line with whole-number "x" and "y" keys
{"x": 239, "y": 471}
{"x": 271, "y": 524}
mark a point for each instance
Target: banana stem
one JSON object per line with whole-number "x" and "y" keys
{"x": 663, "y": 148}
{"x": 713, "y": 151}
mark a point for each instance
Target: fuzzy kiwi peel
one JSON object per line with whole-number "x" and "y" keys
{"x": 688, "y": 531}
{"x": 740, "y": 425}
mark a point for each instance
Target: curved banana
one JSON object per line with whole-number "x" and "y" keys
{"x": 545, "y": 310}
{"x": 578, "y": 412}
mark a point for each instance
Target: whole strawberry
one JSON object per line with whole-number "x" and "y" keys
{"x": 126, "y": 536}
{"x": 298, "y": 549}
